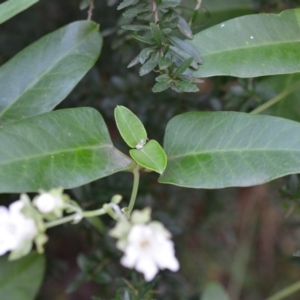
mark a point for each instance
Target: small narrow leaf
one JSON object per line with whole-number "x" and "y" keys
{"x": 84, "y": 4}
{"x": 126, "y": 3}
{"x": 134, "y": 62}
{"x": 186, "y": 86}
{"x": 182, "y": 55}
{"x": 143, "y": 39}
{"x": 10, "y": 8}
{"x": 133, "y": 12}
{"x": 130, "y": 127}
{"x": 164, "y": 63}
{"x": 169, "y": 3}
{"x": 184, "y": 27}
{"x": 144, "y": 55}
{"x": 149, "y": 65}
{"x": 188, "y": 48}
{"x": 183, "y": 67}
{"x": 156, "y": 33}
{"x": 160, "y": 87}
{"x": 223, "y": 149}
{"x": 65, "y": 148}
{"x": 151, "y": 156}
{"x": 135, "y": 27}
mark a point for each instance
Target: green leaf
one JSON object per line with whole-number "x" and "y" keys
{"x": 251, "y": 46}
{"x": 183, "y": 67}
{"x": 133, "y": 12}
{"x": 149, "y": 65}
{"x": 134, "y": 62}
{"x": 182, "y": 55}
{"x": 21, "y": 279}
{"x": 214, "y": 291}
{"x": 143, "y": 39}
{"x": 223, "y": 149}
{"x": 43, "y": 74}
{"x": 188, "y": 48}
{"x": 289, "y": 106}
{"x": 145, "y": 54}
{"x": 186, "y": 86}
{"x": 130, "y": 127}
{"x": 164, "y": 63}
{"x": 213, "y": 12}
{"x": 152, "y": 156}
{"x": 135, "y": 27}
{"x": 160, "y": 87}
{"x": 64, "y": 148}
{"x": 126, "y": 3}
{"x": 156, "y": 34}
{"x": 184, "y": 27}
{"x": 84, "y": 4}
{"x": 10, "y": 8}
{"x": 169, "y": 3}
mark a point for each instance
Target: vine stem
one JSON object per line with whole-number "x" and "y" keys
{"x": 136, "y": 180}
{"x": 276, "y": 99}
{"x": 286, "y": 292}
{"x": 67, "y": 219}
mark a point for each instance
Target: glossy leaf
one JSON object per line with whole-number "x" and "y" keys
{"x": 63, "y": 148}
{"x": 126, "y": 3}
{"x": 213, "y": 12}
{"x": 21, "y": 279}
{"x": 251, "y": 46}
{"x": 152, "y": 156}
{"x": 133, "y": 12}
{"x": 160, "y": 87}
{"x": 10, "y": 8}
{"x": 184, "y": 27}
{"x": 287, "y": 107}
{"x": 217, "y": 150}
{"x": 130, "y": 127}
{"x": 156, "y": 34}
{"x": 43, "y": 74}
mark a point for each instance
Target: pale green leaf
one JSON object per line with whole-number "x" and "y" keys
{"x": 251, "y": 46}
{"x": 63, "y": 148}
{"x": 21, "y": 279}
{"x": 10, "y": 8}
{"x": 214, "y": 291}
{"x": 130, "y": 127}
{"x": 223, "y": 149}
{"x": 43, "y": 74}
{"x": 152, "y": 156}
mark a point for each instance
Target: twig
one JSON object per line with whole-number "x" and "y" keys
{"x": 90, "y": 11}
{"x": 154, "y": 9}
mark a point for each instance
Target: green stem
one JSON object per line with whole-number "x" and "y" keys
{"x": 67, "y": 219}
{"x": 136, "y": 180}
{"x": 276, "y": 99}
{"x": 286, "y": 292}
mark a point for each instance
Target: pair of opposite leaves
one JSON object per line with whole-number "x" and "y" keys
{"x": 148, "y": 154}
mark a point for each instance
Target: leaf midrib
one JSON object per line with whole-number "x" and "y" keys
{"x": 230, "y": 151}
{"x": 246, "y": 47}
{"x": 30, "y": 86}
{"x": 56, "y": 152}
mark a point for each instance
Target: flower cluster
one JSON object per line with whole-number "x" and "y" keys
{"x": 146, "y": 245}
{"x": 22, "y": 223}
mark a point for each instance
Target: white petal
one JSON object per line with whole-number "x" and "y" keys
{"x": 147, "y": 266}
{"x": 130, "y": 257}
{"x": 16, "y": 207}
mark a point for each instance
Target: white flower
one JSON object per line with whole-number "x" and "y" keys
{"x": 149, "y": 249}
{"x": 15, "y": 228}
{"x": 47, "y": 203}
